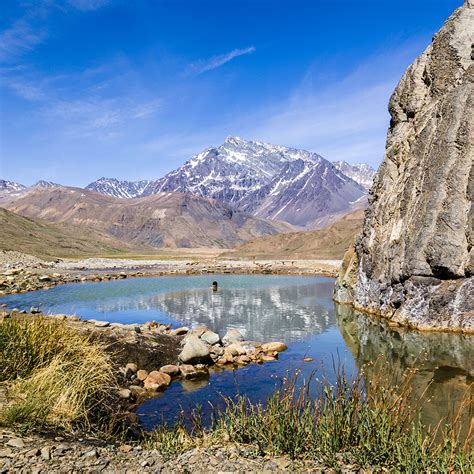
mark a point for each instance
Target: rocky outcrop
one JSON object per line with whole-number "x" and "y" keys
{"x": 414, "y": 261}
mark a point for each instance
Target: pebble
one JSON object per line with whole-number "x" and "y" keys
{"x": 101, "y": 324}
{"x": 46, "y": 453}
{"x": 125, "y": 393}
{"x": 91, "y": 454}
{"x": 180, "y": 331}
{"x": 16, "y": 443}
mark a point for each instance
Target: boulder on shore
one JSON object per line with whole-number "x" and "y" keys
{"x": 232, "y": 336}
{"x": 194, "y": 350}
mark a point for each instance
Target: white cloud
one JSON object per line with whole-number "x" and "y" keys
{"x": 19, "y": 38}
{"x": 147, "y": 109}
{"x": 217, "y": 61}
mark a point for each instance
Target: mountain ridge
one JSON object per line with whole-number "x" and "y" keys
{"x": 269, "y": 181}
{"x": 161, "y": 220}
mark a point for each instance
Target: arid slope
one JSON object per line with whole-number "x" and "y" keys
{"x": 330, "y": 242}
{"x": 45, "y": 240}
{"x": 161, "y": 220}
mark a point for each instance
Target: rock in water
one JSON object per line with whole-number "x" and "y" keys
{"x": 414, "y": 260}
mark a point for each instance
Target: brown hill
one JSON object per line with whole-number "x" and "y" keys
{"x": 328, "y": 243}
{"x": 53, "y": 240}
{"x": 161, "y": 220}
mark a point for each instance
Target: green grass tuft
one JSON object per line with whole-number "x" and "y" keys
{"x": 349, "y": 422}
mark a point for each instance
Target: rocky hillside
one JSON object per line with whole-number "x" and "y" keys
{"x": 121, "y": 189}
{"x": 328, "y": 243}
{"x": 45, "y": 240}
{"x": 269, "y": 181}
{"x": 161, "y": 220}
{"x": 414, "y": 260}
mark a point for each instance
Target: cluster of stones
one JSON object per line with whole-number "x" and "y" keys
{"x": 205, "y": 346}
{"x": 18, "y": 280}
{"x": 36, "y": 454}
{"x": 201, "y": 349}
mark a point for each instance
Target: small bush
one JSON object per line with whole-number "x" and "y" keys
{"x": 56, "y": 376}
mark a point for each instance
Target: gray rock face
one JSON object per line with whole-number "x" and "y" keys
{"x": 414, "y": 261}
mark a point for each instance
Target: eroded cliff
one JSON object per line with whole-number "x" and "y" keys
{"x": 414, "y": 260}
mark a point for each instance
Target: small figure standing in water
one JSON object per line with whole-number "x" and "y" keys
{"x": 214, "y": 286}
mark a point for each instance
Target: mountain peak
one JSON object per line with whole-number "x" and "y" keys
{"x": 270, "y": 181}
{"x": 45, "y": 184}
{"x": 234, "y": 140}
{"x": 115, "y": 188}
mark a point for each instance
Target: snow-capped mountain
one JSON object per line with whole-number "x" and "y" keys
{"x": 10, "y": 186}
{"x": 10, "y": 189}
{"x": 266, "y": 180}
{"x": 45, "y": 184}
{"x": 361, "y": 173}
{"x": 229, "y": 172}
{"x": 303, "y": 192}
{"x": 121, "y": 189}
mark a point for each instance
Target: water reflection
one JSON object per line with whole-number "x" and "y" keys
{"x": 261, "y": 313}
{"x": 444, "y": 361}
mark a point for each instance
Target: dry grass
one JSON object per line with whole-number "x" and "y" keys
{"x": 56, "y": 377}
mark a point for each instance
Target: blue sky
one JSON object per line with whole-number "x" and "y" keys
{"x": 133, "y": 88}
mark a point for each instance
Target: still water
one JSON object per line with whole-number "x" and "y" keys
{"x": 295, "y": 309}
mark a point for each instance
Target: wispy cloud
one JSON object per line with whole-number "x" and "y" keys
{"x": 147, "y": 109}
{"x": 346, "y": 119}
{"x": 30, "y": 30}
{"x": 19, "y": 38}
{"x": 98, "y": 117}
{"x": 342, "y": 119}
{"x": 217, "y": 61}
{"x": 73, "y": 104}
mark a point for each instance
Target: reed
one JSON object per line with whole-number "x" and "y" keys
{"x": 350, "y": 421}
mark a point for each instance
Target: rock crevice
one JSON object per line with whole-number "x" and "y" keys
{"x": 414, "y": 259}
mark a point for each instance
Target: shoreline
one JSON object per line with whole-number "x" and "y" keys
{"x": 22, "y": 277}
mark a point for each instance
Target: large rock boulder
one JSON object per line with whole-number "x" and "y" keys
{"x": 414, "y": 261}
{"x": 194, "y": 350}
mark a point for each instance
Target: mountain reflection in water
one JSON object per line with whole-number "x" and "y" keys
{"x": 444, "y": 362}
{"x": 261, "y": 313}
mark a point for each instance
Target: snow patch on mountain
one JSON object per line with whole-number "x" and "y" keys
{"x": 361, "y": 173}
{"x": 120, "y": 189}
{"x": 10, "y": 186}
